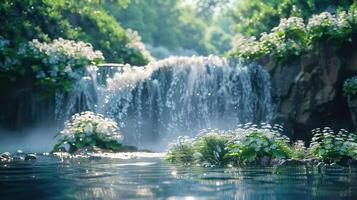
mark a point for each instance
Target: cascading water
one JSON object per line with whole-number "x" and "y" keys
{"x": 176, "y": 96}
{"x": 182, "y": 95}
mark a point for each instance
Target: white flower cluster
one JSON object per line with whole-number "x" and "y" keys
{"x": 290, "y": 24}
{"x": 292, "y": 36}
{"x": 263, "y": 137}
{"x": 62, "y": 58}
{"x": 136, "y": 43}
{"x": 327, "y": 144}
{"x": 327, "y": 23}
{"x": 87, "y": 124}
{"x": 60, "y": 49}
{"x": 181, "y": 140}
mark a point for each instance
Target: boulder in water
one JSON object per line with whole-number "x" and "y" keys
{"x": 6, "y": 156}
{"x": 293, "y": 163}
{"x": 30, "y": 157}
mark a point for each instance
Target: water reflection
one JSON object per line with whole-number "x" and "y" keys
{"x": 152, "y": 178}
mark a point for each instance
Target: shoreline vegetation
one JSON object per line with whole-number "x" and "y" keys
{"x": 264, "y": 145}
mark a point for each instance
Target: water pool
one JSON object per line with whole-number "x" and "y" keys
{"x": 152, "y": 178}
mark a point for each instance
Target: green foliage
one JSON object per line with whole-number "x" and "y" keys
{"x": 299, "y": 150}
{"x": 350, "y": 87}
{"x": 183, "y": 29}
{"x": 45, "y": 20}
{"x": 293, "y": 37}
{"x": 211, "y": 149}
{"x": 255, "y": 16}
{"x": 181, "y": 151}
{"x": 253, "y": 144}
{"x": 51, "y": 66}
{"x": 250, "y": 144}
{"x": 87, "y": 130}
{"x": 219, "y": 148}
{"x": 332, "y": 147}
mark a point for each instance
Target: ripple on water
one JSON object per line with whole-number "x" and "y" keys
{"x": 152, "y": 178}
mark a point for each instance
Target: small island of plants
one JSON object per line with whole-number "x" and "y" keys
{"x": 89, "y": 130}
{"x": 263, "y": 145}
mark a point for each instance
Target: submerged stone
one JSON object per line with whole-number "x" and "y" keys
{"x": 292, "y": 162}
{"x": 6, "y": 156}
{"x": 276, "y": 161}
{"x": 264, "y": 161}
{"x": 30, "y": 157}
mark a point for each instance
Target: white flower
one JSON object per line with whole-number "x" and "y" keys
{"x": 273, "y": 146}
{"x": 197, "y": 155}
{"x": 88, "y": 128}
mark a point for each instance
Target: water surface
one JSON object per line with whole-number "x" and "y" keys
{"x": 152, "y": 178}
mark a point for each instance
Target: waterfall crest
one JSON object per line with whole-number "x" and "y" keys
{"x": 182, "y": 95}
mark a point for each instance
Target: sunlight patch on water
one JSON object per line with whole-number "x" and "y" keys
{"x": 122, "y": 155}
{"x": 136, "y": 164}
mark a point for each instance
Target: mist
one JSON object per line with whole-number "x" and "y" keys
{"x": 38, "y": 139}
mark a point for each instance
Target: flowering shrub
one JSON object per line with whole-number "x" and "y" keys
{"x": 333, "y": 147}
{"x": 136, "y": 43}
{"x": 210, "y": 148}
{"x": 329, "y": 26}
{"x": 299, "y": 150}
{"x": 89, "y": 129}
{"x": 292, "y": 36}
{"x": 53, "y": 66}
{"x": 60, "y": 63}
{"x": 350, "y": 87}
{"x": 219, "y": 148}
{"x": 181, "y": 150}
{"x": 251, "y": 143}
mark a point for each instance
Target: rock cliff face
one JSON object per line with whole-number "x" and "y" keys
{"x": 308, "y": 90}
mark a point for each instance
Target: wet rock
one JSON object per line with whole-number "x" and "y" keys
{"x": 352, "y": 104}
{"x": 20, "y": 155}
{"x": 335, "y": 165}
{"x": 62, "y": 149}
{"x": 19, "y": 152}
{"x": 5, "y": 155}
{"x": 275, "y": 161}
{"x": 293, "y": 163}
{"x": 30, "y": 157}
{"x": 352, "y": 162}
{"x": 321, "y": 164}
{"x": 311, "y": 161}
{"x": 264, "y": 161}
{"x": 307, "y": 91}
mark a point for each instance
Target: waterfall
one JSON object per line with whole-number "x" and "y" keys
{"x": 174, "y": 96}
{"x": 182, "y": 95}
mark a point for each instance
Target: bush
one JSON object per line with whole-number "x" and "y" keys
{"x": 52, "y": 66}
{"x": 45, "y": 20}
{"x": 293, "y": 37}
{"x": 210, "y": 148}
{"x": 350, "y": 87}
{"x": 219, "y": 148}
{"x": 251, "y": 144}
{"x": 329, "y": 27}
{"x": 299, "y": 150}
{"x": 333, "y": 147}
{"x": 181, "y": 151}
{"x": 88, "y": 130}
